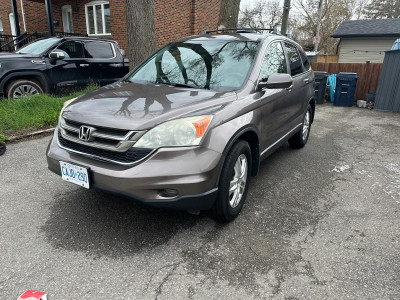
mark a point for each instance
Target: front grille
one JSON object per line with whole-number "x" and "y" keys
{"x": 130, "y": 156}
{"x": 101, "y": 130}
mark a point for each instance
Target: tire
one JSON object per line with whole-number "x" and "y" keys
{"x": 229, "y": 203}
{"x": 299, "y": 140}
{"x": 21, "y": 88}
{"x": 2, "y": 148}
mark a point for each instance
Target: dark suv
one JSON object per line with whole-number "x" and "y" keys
{"x": 189, "y": 126}
{"x": 53, "y": 64}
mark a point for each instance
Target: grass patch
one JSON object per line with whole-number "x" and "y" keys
{"x": 18, "y": 116}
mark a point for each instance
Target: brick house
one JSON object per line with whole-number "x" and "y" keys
{"x": 107, "y": 18}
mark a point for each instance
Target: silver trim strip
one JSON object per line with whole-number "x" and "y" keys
{"x": 105, "y": 159}
{"x": 122, "y": 143}
{"x": 281, "y": 138}
{"x": 121, "y": 146}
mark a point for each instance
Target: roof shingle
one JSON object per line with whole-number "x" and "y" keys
{"x": 368, "y": 28}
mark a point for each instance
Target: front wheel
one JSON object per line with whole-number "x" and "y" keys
{"x": 299, "y": 140}
{"x": 234, "y": 183}
{"x": 22, "y": 88}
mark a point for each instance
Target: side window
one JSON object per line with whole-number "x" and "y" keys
{"x": 71, "y": 49}
{"x": 296, "y": 67}
{"x": 274, "y": 61}
{"x": 99, "y": 50}
{"x": 306, "y": 64}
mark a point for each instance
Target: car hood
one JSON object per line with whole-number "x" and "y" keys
{"x": 133, "y": 106}
{"x": 14, "y": 56}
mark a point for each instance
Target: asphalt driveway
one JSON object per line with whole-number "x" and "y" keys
{"x": 322, "y": 222}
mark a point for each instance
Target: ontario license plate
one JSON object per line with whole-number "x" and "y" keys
{"x": 75, "y": 174}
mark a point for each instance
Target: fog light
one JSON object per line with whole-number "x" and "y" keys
{"x": 168, "y": 193}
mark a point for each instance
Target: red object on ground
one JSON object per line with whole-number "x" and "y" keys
{"x": 33, "y": 295}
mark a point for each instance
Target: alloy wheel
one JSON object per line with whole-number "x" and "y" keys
{"x": 306, "y": 125}
{"x": 25, "y": 90}
{"x": 238, "y": 182}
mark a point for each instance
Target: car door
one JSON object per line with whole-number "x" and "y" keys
{"x": 106, "y": 65}
{"x": 274, "y": 102}
{"x": 73, "y": 70}
{"x": 301, "y": 81}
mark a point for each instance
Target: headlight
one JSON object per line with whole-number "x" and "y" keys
{"x": 66, "y": 103}
{"x": 175, "y": 133}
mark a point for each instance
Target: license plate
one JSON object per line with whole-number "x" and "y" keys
{"x": 75, "y": 174}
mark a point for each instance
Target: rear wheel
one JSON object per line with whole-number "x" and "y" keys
{"x": 234, "y": 182}
{"x": 22, "y": 88}
{"x": 299, "y": 140}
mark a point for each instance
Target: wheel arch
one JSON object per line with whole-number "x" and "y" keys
{"x": 33, "y": 76}
{"x": 250, "y": 135}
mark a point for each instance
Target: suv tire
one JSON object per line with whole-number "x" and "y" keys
{"x": 21, "y": 88}
{"x": 299, "y": 140}
{"x": 233, "y": 183}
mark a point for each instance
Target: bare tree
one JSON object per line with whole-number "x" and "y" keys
{"x": 382, "y": 9}
{"x": 334, "y": 12}
{"x": 228, "y": 13}
{"x": 264, "y": 14}
{"x": 141, "y": 30}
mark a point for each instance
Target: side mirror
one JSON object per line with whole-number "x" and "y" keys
{"x": 276, "y": 81}
{"x": 56, "y": 55}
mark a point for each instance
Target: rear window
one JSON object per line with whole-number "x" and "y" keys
{"x": 99, "y": 50}
{"x": 306, "y": 64}
{"x": 296, "y": 67}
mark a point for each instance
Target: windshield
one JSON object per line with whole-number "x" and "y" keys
{"x": 210, "y": 64}
{"x": 38, "y": 47}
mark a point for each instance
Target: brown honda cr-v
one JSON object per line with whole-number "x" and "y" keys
{"x": 188, "y": 127}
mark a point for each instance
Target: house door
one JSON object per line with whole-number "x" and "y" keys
{"x": 12, "y": 24}
{"x": 67, "y": 19}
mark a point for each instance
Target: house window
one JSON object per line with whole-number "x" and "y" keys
{"x": 1, "y": 27}
{"x": 98, "y": 18}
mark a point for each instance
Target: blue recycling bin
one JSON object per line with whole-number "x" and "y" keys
{"x": 346, "y": 84}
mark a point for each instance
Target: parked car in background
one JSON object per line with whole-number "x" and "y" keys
{"x": 188, "y": 127}
{"x": 53, "y": 64}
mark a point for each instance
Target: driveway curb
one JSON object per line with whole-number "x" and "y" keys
{"x": 29, "y": 135}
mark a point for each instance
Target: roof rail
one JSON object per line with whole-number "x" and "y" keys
{"x": 247, "y": 30}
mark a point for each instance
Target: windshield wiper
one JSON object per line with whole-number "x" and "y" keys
{"x": 179, "y": 84}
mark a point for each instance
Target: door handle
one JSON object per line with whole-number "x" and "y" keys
{"x": 289, "y": 89}
{"x": 84, "y": 65}
{"x": 307, "y": 80}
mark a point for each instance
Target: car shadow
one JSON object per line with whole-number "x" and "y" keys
{"x": 102, "y": 224}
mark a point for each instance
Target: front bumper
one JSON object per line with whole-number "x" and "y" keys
{"x": 191, "y": 171}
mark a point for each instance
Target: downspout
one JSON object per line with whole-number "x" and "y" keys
{"x": 337, "y": 47}
{"x": 23, "y": 15}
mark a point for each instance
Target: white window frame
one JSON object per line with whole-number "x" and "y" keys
{"x": 96, "y": 32}
{"x": 1, "y": 26}
{"x": 64, "y": 13}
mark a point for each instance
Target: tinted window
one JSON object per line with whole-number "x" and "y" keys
{"x": 296, "y": 67}
{"x": 274, "y": 61}
{"x": 99, "y": 50}
{"x": 306, "y": 64}
{"x": 205, "y": 63}
{"x": 71, "y": 49}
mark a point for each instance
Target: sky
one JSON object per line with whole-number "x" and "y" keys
{"x": 244, "y": 3}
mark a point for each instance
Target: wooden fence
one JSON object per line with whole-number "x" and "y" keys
{"x": 327, "y": 58}
{"x": 369, "y": 75}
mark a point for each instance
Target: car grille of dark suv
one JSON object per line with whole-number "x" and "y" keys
{"x": 130, "y": 156}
